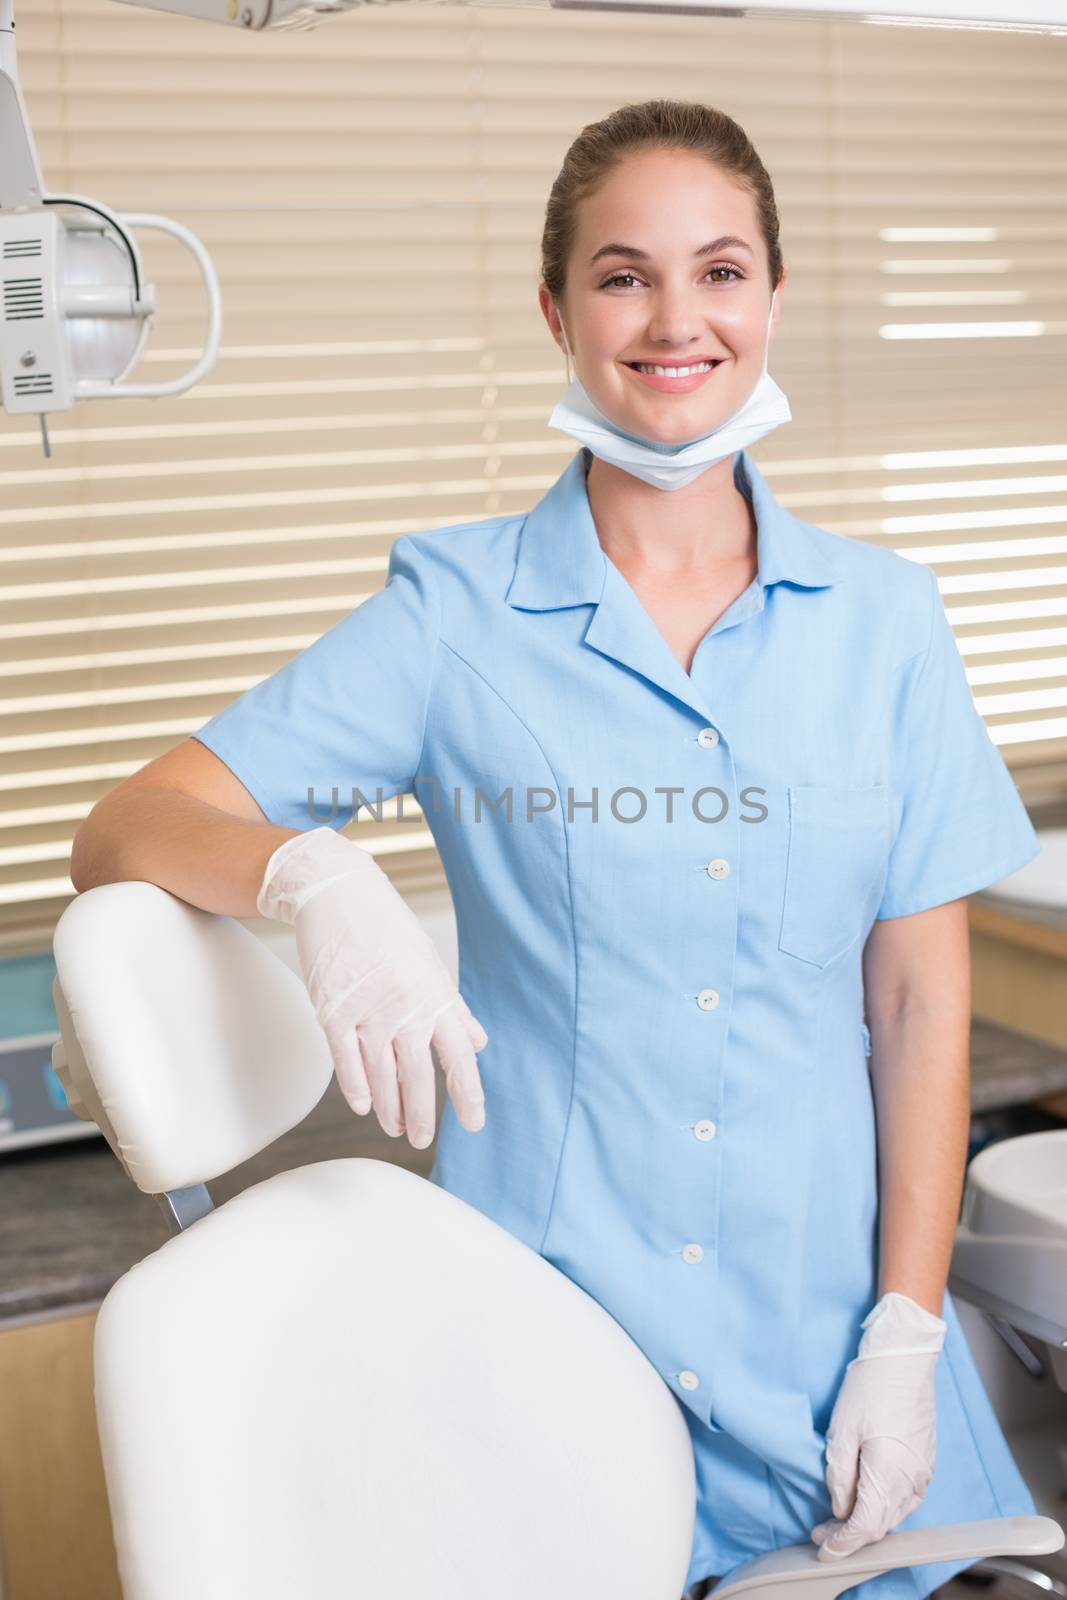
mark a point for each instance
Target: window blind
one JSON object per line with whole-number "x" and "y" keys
{"x": 372, "y": 193}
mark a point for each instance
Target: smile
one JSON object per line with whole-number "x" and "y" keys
{"x": 673, "y": 372}
{"x": 673, "y": 379}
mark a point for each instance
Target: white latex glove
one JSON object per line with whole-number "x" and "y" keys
{"x": 880, "y": 1446}
{"x": 380, "y": 990}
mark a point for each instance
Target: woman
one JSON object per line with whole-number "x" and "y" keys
{"x": 747, "y": 791}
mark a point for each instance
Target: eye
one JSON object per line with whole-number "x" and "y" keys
{"x": 724, "y": 268}
{"x": 618, "y": 277}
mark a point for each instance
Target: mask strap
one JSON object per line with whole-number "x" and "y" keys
{"x": 566, "y": 349}
{"x": 767, "y": 341}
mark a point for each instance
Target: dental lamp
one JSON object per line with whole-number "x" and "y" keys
{"x": 76, "y": 309}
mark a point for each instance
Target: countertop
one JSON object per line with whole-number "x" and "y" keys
{"x": 71, "y": 1222}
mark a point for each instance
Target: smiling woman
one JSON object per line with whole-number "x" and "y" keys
{"x": 639, "y": 188}
{"x": 679, "y": 1099}
{"x": 670, "y": 338}
{"x": 672, "y": 349}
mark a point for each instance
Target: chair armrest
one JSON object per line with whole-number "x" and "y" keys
{"x": 958, "y": 1541}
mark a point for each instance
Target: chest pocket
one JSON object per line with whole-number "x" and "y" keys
{"x": 838, "y": 847}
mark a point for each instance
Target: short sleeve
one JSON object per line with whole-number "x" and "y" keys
{"x": 348, "y": 713}
{"x": 962, "y": 824}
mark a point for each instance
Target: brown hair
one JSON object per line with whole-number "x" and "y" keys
{"x": 652, "y": 125}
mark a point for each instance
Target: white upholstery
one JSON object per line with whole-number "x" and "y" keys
{"x": 197, "y": 1045}
{"x": 346, "y": 1383}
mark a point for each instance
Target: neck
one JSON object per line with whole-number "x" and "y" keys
{"x": 670, "y": 532}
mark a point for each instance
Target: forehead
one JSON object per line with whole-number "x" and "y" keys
{"x": 655, "y": 197}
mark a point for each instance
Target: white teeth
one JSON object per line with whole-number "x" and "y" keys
{"x": 674, "y": 372}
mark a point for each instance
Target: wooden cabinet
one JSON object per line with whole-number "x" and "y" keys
{"x": 55, "y": 1526}
{"x": 1019, "y": 974}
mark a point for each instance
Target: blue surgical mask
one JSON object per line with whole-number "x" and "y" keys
{"x": 672, "y": 466}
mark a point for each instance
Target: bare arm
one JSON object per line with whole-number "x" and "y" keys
{"x": 185, "y": 822}
{"x": 917, "y": 981}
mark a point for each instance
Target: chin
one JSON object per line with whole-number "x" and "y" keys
{"x": 695, "y": 428}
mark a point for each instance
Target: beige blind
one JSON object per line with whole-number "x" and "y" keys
{"x": 372, "y": 194}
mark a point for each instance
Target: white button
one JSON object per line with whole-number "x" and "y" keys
{"x": 707, "y": 738}
{"x": 692, "y": 1252}
{"x": 718, "y": 868}
{"x": 705, "y": 1130}
{"x": 707, "y": 999}
{"x": 688, "y": 1380}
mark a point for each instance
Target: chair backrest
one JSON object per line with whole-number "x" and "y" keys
{"x": 187, "y": 1041}
{"x": 345, "y": 1382}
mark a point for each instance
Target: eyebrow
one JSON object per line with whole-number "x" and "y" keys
{"x": 728, "y": 241}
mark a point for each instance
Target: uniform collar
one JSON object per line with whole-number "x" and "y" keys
{"x": 561, "y": 562}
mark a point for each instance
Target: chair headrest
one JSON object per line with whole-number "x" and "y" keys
{"x": 188, "y": 1042}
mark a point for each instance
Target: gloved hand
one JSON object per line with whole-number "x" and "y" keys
{"x": 380, "y": 990}
{"x": 880, "y": 1446}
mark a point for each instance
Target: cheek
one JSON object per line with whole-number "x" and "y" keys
{"x": 743, "y": 331}
{"x": 609, "y": 327}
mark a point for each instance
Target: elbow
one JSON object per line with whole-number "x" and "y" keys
{"x": 85, "y": 852}
{"x": 78, "y": 866}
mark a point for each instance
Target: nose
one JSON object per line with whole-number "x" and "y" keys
{"x": 676, "y": 321}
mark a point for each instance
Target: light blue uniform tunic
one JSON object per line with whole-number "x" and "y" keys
{"x": 664, "y": 943}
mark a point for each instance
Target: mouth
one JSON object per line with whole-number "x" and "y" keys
{"x": 674, "y": 378}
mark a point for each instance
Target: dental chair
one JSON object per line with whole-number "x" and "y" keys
{"x": 1010, "y": 1260}
{"x": 345, "y": 1381}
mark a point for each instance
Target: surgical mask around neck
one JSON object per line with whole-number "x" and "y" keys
{"x": 672, "y": 466}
